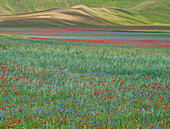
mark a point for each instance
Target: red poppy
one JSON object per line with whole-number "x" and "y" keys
{"x": 16, "y": 94}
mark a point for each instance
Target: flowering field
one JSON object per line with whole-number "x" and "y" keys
{"x": 82, "y": 84}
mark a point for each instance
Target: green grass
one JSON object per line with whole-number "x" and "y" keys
{"x": 73, "y": 81}
{"x": 12, "y": 36}
{"x": 124, "y": 3}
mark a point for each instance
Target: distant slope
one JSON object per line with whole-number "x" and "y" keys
{"x": 157, "y": 11}
{"x": 78, "y": 12}
{"x": 23, "y": 6}
{"x": 56, "y": 16}
{"x": 79, "y": 15}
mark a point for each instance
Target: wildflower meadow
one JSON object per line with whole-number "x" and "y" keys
{"x": 83, "y": 84}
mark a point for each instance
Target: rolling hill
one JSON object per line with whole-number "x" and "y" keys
{"x": 84, "y": 12}
{"x": 24, "y": 6}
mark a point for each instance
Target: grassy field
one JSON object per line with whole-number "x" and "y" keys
{"x": 64, "y": 84}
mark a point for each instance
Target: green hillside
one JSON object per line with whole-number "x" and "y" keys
{"x": 157, "y": 11}
{"x": 131, "y": 11}
{"x": 23, "y": 6}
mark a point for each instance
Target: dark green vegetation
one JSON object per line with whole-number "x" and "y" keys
{"x": 105, "y": 12}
